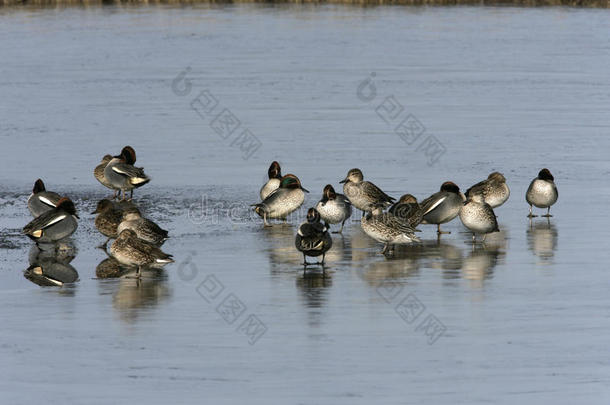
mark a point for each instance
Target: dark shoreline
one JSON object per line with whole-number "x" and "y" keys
{"x": 507, "y": 3}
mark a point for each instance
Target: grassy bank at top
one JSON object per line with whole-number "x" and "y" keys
{"x": 520, "y": 3}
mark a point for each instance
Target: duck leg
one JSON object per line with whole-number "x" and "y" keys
{"x": 265, "y": 223}
{"x": 305, "y": 264}
{"x": 385, "y": 248}
{"x": 340, "y": 229}
{"x": 548, "y": 213}
{"x": 474, "y": 238}
{"x": 438, "y": 231}
{"x": 531, "y": 215}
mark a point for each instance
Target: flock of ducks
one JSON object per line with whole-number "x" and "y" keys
{"x": 283, "y": 195}
{"x": 137, "y": 240}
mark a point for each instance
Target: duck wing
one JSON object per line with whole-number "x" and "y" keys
{"x": 432, "y": 202}
{"x": 480, "y": 187}
{"x": 311, "y": 236}
{"x": 44, "y": 221}
{"x": 369, "y": 188}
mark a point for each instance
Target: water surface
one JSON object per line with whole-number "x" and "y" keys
{"x": 525, "y": 317}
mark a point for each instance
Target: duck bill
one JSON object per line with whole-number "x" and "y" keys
{"x": 343, "y": 181}
{"x": 77, "y": 217}
{"x": 94, "y": 212}
{"x": 305, "y": 190}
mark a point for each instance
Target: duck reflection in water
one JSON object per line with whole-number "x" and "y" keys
{"x": 132, "y": 296}
{"x": 542, "y": 240}
{"x": 135, "y": 297}
{"x": 50, "y": 264}
{"x": 314, "y": 288}
{"x": 479, "y": 265}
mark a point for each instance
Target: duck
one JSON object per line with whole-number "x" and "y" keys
{"x": 443, "y": 206}
{"x": 110, "y": 268}
{"x": 478, "y": 216}
{"x": 407, "y": 208}
{"x": 108, "y": 219}
{"x": 98, "y": 172}
{"x": 122, "y": 175}
{"x": 275, "y": 175}
{"x": 334, "y": 208}
{"x": 387, "y": 228}
{"x": 542, "y": 192}
{"x": 53, "y": 225}
{"x": 51, "y": 273}
{"x": 364, "y": 195}
{"x": 41, "y": 200}
{"x": 494, "y": 189}
{"x": 144, "y": 228}
{"x": 130, "y": 250}
{"x": 283, "y": 201}
{"x": 312, "y": 238}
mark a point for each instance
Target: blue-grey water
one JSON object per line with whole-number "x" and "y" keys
{"x": 523, "y": 318}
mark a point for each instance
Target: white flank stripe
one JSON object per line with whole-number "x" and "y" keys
{"x": 55, "y": 220}
{"x": 436, "y": 204}
{"x": 46, "y": 201}
{"x": 114, "y": 168}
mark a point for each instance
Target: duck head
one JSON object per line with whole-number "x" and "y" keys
{"x": 377, "y": 209}
{"x": 102, "y": 206}
{"x": 275, "y": 171}
{"x": 407, "y": 199}
{"x": 291, "y": 181}
{"x": 129, "y": 155}
{"x": 476, "y": 197}
{"x": 313, "y": 215}
{"x": 38, "y": 186}
{"x": 67, "y": 205}
{"x": 127, "y": 234}
{"x": 545, "y": 174}
{"x": 497, "y": 176}
{"x": 354, "y": 175}
{"x": 131, "y": 213}
{"x": 328, "y": 193}
{"x": 450, "y": 187}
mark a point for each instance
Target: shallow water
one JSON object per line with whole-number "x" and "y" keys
{"x": 523, "y": 318}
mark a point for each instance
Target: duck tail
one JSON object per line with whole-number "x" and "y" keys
{"x": 139, "y": 181}
{"x": 259, "y": 208}
{"x": 165, "y": 258}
